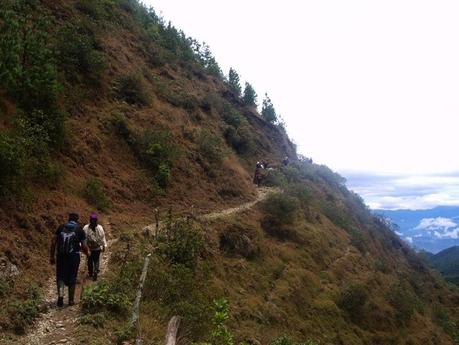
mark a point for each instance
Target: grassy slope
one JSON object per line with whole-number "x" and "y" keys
{"x": 290, "y": 286}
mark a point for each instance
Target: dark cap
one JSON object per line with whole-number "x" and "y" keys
{"x": 73, "y": 214}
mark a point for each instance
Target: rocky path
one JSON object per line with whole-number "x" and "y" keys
{"x": 59, "y": 326}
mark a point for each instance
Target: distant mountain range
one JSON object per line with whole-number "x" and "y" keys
{"x": 446, "y": 261}
{"x": 432, "y": 230}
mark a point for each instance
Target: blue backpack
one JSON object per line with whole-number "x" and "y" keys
{"x": 67, "y": 239}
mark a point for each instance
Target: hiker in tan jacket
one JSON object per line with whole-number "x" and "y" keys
{"x": 95, "y": 240}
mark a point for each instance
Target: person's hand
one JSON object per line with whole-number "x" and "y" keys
{"x": 52, "y": 260}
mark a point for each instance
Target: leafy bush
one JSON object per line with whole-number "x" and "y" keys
{"x": 163, "y": 176}
{"x": 210, "y": 146}
{"x": 182, "y": 244}
{"x": 236, "y": 240}
{"x": 403, "y": 302}
{"x": 22, "y": 314}
{"x": 96, "y": 320}
{"x": 12, "y": 163}
{"x": 353, "y": 299}
{"x": 281, "y": 207}
{"x": 79, "y": 58}
{"x": 280, "y": 214}
{"x": 239, "y": 139}
{"x": 132, "y": 89}
{"x": 121, "y": 127}
{"x": 95, "y": 195}
{"x": 274, "y": 178}
{"x": 27, "y": 68}
{"x": 100, "y": 297}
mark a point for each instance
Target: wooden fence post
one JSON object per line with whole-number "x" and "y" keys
{"x": 135, "y": 310}
{"x": 172, "y": 329}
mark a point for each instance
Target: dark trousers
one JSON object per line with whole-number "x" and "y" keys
{"x": 67, "y": 268}
{"x": 94, "y": 262}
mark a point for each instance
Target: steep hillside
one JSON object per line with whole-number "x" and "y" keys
{"x": 446, "y": 262}
{"x": 103, "y": 106}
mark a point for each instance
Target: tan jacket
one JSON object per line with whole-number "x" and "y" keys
{"x": 95, "y": 236}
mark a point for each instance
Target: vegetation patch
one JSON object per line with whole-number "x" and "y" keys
{"x": 95, "y": 195}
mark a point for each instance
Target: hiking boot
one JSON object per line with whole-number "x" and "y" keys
{"x": 60, "y": 302}
{"x": 94, "y": 277}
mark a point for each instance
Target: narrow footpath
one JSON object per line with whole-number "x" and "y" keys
{"x": 60, "y": 326}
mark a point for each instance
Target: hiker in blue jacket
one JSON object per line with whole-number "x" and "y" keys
{"x": 68, "y": 241}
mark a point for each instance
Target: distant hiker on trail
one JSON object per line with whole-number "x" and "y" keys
{"x": 286, "y": 161}
{"x": 258, "y": 176}
{"x": 69, "y": 239}
{"x": 95, "y": 238}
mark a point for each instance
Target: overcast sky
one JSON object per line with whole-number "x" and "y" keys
{"x": 364, "y": 86}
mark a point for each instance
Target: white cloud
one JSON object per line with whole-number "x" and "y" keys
{"x": 405, "y": 191}
{"x": 448, "y": 234}
{"x": 409, "y": 239}
{"x": 438, "y": 223}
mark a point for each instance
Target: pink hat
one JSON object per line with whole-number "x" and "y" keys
{"x": 93, "y": 215}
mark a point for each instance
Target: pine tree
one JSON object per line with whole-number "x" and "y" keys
{"x": 267, "y": 111}
{"x": 233, "y": 81}
{"x": 250, "y": 96}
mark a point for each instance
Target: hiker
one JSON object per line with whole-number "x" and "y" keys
{"x": 69, "y": 239}
{"x": 286, "y": 161}
{"x": 95, "y": 238}
{"x": 258, "y": 176}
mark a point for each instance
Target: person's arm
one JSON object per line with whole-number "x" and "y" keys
{"x": 85, "y": 248}
{"x": 83, "y": 244}
{"x": 102, "y": 232}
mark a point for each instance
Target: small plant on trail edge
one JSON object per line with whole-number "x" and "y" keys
{"x": 22, "y": 314}
{"x": 95, "y": 195}
{"x": 101, "y": 298}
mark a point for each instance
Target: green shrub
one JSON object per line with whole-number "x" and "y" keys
{"x": 101, "y": 297}
{"x": 274, "y": 178}
{"x": 27, "y": 68}
{"x": 96, "y": 320}
{"x": 403, "y": 302}
{"x": 182, "y": 244}
{"x": 352, "y": 300}
{"x": 211, "y": 147}
{"x": 282, "y": 207}
{"x": 280, "y": 214}
{"x": 301, "y": 192}
{"x": 132, "y": 89}
{"x": 22, "y": 314}
{"x": 5, "y": 287}
{"x": 79, "y": 58}
{"x": 121, "y": 127}
{"x": 95, "y": 195}
{"x": 12, "y": 161}
{"x": 240, "y": 139}
{"x": 163, "y": 176}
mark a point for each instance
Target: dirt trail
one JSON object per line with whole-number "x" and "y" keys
{"x": 263, "y": 193}
{"x": 60, "y": 326}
